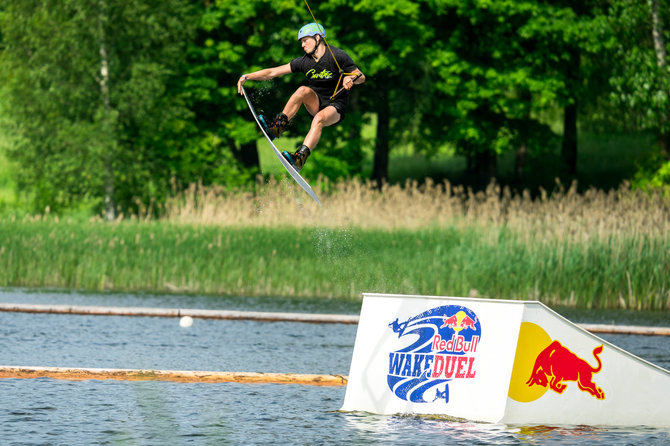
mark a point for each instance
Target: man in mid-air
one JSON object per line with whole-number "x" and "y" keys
{"x": 321, "y": 65}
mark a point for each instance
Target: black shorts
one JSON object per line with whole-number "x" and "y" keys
{"x": 340, "y": 103}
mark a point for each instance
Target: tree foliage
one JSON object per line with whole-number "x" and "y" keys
{"x": 234, "y": 38}
{"x": 92, "y": 100}
{"x": 112, "y": 103}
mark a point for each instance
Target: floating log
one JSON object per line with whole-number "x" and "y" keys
{"x": 626, "y": 329}
{"x": 81, "y": 374}
{"x": 176, "y": 312}
{"x": 313, "y": 318}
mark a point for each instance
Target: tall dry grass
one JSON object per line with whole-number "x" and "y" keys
{"x": 563, "y": 214}
{"x": 596, "y": 249}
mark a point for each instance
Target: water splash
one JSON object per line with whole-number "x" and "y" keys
{"x": 332, "y": 244}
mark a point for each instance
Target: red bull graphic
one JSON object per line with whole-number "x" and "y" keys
{"x": 556, "y": 364}
{"x": 442, "y": 346}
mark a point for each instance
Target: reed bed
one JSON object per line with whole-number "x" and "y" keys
{"x": 597, "y": 249}
{"x": 563, "y": 213}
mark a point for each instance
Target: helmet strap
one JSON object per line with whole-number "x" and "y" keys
{"x": 316, "y": 46}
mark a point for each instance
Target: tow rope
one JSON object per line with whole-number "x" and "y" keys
{"x": 337, "y": 90}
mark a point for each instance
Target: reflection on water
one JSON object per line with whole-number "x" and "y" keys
{"x": 46, "y": 411}
{"x": 160, "y": 343}
{"x": 429, "y": 430}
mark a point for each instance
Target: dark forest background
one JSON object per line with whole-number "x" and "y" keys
{"x": 110, "y": 105}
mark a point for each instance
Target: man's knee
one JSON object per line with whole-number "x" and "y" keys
{"x": 304, "y": 92}
{"x": 319, "y": 120}
{"x": 326, "y": 117}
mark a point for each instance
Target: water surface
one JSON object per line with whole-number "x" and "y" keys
{"x": 46, "y": 411}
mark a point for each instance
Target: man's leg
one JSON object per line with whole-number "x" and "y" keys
{"x": 302, "y": 96}
{"x": 326, "y": 117}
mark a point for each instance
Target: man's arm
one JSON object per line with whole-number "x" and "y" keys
{"x": 354, "y": 75}
{"x": 356, "y": 78}
{"x": 263, "y": 75}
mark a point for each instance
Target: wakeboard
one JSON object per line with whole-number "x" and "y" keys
{"x": 289, "y": 168}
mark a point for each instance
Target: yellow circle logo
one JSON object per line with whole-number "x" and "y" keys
{"x": 532, "y": 340}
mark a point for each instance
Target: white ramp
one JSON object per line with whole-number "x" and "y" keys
{"x": 488, "y": 360}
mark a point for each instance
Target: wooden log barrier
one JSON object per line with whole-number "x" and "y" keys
{"x": 176, "y": 312}
{"x": 266, "y": 316}
{"x": 626, "y": 329}
{"x": 82, "y": 374}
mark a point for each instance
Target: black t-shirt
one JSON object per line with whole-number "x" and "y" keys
{"x": 322, "y": 76}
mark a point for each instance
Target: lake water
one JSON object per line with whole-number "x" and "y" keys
{"x": 46, "y": 411}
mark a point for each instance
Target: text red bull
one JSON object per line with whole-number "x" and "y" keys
{"x": 442, "y": 346}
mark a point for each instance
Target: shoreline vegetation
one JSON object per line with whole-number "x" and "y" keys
{"x": 594, "y": 249}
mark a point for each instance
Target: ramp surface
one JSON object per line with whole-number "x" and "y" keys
{"x": 496, "y": 361}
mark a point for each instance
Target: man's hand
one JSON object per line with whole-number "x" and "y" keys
{"x": 349, "y": 81}
{"x": 241, "y": 82}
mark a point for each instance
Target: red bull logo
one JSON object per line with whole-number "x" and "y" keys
{"x": 435, "y": 348}
{"x": 455, "y": 324}
{"x": 556, "y": 364}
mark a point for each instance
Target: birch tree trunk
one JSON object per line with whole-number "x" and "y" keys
{"x": 657, "y": 33}
{"x": 110, "y": 213}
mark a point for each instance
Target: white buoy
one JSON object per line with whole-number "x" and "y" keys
{"x": 186, "y": 321}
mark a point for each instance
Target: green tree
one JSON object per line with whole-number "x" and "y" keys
{"x": 640, "y": 79}
{"x": 657, "y": 12}
{"x": 639, "y": 96}
{"x": 491, "y": 78}
{"x": 89, "y": 87}
{"x": 236, "y": 38}
{"x": 383, "y": 37}
{"x": 498, "y": 67}
{"x": 585, "y": 39}
{"x": 388, "y": 38}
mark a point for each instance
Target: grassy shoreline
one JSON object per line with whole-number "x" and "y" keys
{"x": 629, "y": 270}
